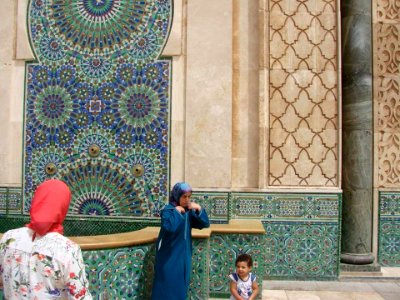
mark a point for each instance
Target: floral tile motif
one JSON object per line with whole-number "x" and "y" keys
{"x": 389, "y": 229}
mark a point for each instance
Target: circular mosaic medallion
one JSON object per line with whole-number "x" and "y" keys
{"x": 144, "y": 46}
{"x": 95, "y": 68}
{"x": 103, "y": 139}
{"x": 100, "y": 188}
{"x": 306, "y": 248}
{"x": 52, "y": 103}
{"x": 46, "y": 163}
{"x": 52, "y": 48}
{"x": 90, "y": 25}
{"x": 141, "y": 106}
{"x": 53, "y": 106}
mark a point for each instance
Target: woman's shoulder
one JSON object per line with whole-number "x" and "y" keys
{"x": 57, "y": 243}
{"x": 167, "y": 207}
{"x": 17, "y": 236}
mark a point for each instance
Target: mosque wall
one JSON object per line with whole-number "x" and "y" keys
{"x": 254, "y": 124}
{"x": 386, "y": 41}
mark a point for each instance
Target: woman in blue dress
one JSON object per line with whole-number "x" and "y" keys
{"x": 174, "y": 244}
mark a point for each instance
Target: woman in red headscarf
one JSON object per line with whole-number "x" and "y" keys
{"x": 37, "y": 261}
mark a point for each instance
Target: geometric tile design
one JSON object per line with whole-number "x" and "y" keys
{"x": 266, "y": 206}
{"x": 199, "y": 282}
{"x": 216, "y": 205}
{"x": 97, "y": 104}
{"x": 389, "y": 229}
{"x": 10, "y": 199}
{"x": 224, "y": 248}
{"x": 123, "y": 273}
{"x": 127, "y": 273}
{"x": 307, "y": 224}
{"x": 301, "y": 250}
{"x": 302, "y": 231}
{"x": 389, "y": 242}
{"x": 303, "y": 93}
{"x": 389, "y": 204}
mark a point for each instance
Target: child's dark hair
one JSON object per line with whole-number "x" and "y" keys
{"x": 246, "y": 258}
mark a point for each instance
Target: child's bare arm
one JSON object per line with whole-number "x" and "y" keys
{"x": 234, "y": 293}
{"x": 254, "y": 286}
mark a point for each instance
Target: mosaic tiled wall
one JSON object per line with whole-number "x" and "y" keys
{"x": 302, "y": 232}
{"x": 216, "y": 205}
{"x": 127, "y": 273}
{"x": 224, "y": 250}
{"x": 97, "y": 104}
{"x": 303, "y": 92}
{"x": 199, "y": 288}
{"x": 10, "y": 200}
{"x": 386, "y": 41}
{"x": 389, "y": 229}
{"x": 123, "y": 273}
{"x": 386, "y": 67}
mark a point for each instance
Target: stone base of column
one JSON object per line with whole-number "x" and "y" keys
{"x": 373, "y": 269}
{"x": 357, "y": 258}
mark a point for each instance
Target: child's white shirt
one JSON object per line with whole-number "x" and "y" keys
{"x": 244, "y": 288}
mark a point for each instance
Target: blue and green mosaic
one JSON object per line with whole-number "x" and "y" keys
{"x": 123, "y": 273}
{"x": 97, "y": 104}
{"x": 301, "y": 250}
{"x": 216, "y": 205}
{"x": 302, "y": 232}
{"x": 297, "y": 207}
{"x": 199, "y": 282}
{"x": 389, "y": 229}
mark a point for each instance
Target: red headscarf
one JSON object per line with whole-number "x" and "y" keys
{"x": 49, "y": 207}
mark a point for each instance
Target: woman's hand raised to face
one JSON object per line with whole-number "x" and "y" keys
{"x": 180, "y": 209}
{"x": 195, "y": 206}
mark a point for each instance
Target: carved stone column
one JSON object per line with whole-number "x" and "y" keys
{"x": 357, "y": 132}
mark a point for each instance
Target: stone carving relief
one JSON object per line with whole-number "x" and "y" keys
{"x": 388, "y": 10}
{"x": 386, "y": 84}
{"x": 303, "y": 93}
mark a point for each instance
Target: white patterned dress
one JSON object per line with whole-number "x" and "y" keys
{"x": 50, "y": 267}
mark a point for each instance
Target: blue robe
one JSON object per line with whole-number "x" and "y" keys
{"x": 173, "y": 265}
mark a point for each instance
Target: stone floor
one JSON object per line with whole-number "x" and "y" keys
{"x": 351, "y": 286}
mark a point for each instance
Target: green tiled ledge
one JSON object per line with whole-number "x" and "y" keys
{"x": 75, "y": 225}
{"x": 307, "y": 224}
{"x": 123, "y": 269}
